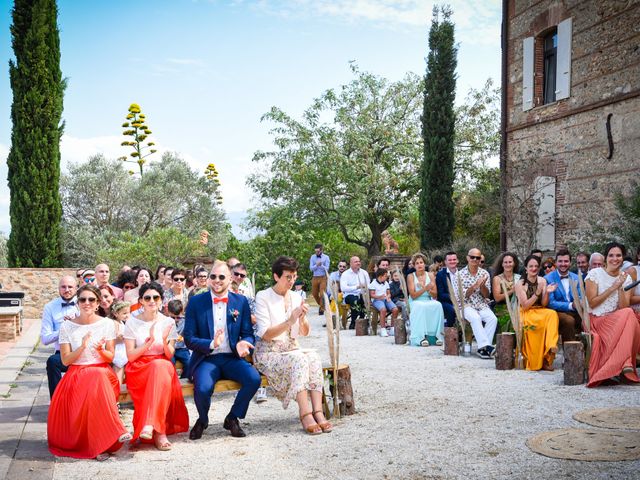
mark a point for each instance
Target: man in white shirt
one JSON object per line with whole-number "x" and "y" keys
{"x": 55, "y": 312}
{"x": 352, "y": 284}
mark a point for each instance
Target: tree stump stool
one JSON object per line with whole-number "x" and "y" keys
{"x": 399, "y": 331}
{"x": 345, "y": 390}
{"x": 573, "y": 363}
{"x": 505, "y": 345}
{"x": 375, "y": 316}
{"x": 362, "y": 327}
{"x": 451, "y": 346}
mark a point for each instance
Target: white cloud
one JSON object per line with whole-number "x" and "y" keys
{"x": 186, "y": 61}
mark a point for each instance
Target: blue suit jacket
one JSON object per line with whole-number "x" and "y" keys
{"x": 198, "y": 325}
{"x": 558, "y": 298}
{"x": 444, "y": 296}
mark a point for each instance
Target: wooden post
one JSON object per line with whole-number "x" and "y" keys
{"x": 451, "y": 346}
{"x": 362, "y": 327}
{"x": 345, "y": 391}
{"x": 399, "y": 331}
{"x": 573, "y": 363}
{"x": 505, "y": 345}
{"x": 375, "y": 316}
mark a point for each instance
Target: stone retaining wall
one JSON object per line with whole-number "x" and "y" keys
{"x": 40, "y": 285}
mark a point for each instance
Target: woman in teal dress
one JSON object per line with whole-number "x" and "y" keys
{"x": 426, "y": 315}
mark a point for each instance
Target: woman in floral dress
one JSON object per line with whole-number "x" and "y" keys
{"x": 292, "y": 373}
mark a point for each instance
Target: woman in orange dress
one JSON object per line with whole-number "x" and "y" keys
{"x": 83, "y": 417}
{"x": 540, "y": 339}
{"x": 159, "y": 408}
{"x": 614, "y": 326}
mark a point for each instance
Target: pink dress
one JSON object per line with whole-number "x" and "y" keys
{"x": 616, "y": 334}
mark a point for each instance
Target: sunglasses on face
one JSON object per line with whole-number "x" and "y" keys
{"x": 148, "y": 298}
{"x": 547, "y": 267}
{"x": 128, "y": 286}
{"x": 179, "y": 279}
{"x": 87, "y": 300}
{"x": 213, "y": 276}
{"x": 241, "y": 275}
{"x": 89, "y": 279}
{"x": 473, "y": 257}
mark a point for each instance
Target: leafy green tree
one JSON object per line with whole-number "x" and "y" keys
{"x": 349, "y": 163}
{"x": 438, "y": 132}
{"x": 3, "y": 251}
{"x": 102, "y": 203}
{"x": 36, "y": 114}
{"x": 136, "y": 128}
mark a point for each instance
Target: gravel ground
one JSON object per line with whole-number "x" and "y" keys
{"x": 421, "y": 415}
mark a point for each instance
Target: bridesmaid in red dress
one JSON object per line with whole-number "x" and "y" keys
{"x": 159, "y": 408}
{"x": 615, "y": 328}
{"x": 83, "y": 417}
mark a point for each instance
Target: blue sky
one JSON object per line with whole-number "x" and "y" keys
{"x": 205, "y": 71}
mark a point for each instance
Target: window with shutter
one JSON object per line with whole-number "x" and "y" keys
{"x": 563, "y": 72}
{"x": 527, "y": 73}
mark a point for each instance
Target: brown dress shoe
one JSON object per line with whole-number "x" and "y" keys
{"x": 233, "y": 425}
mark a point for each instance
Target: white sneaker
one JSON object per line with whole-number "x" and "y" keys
{"x": 391, "y": 331}
{"x": 383, "y": 332}
{"x": 261, "y": 395}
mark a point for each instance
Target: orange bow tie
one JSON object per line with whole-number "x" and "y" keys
{"x": 218, "y": 300}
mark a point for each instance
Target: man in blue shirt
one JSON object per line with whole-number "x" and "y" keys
{"x": 55, "y": 312}
{"x": 561, "y": 299}
{"x": 319, "y": 266}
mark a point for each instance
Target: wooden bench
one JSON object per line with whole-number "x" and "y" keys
{"x": 10, "y": 323}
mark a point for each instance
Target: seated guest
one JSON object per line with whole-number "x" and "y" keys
{"x": 143, "y": 277}
{"x": 178, "y": 288}
{"x": 398, "y": 298}
{"x": 426, "y": 317}
{"x": 596, "y": 261}
{"x": 83, "y": 419}
{"x": 548, "y": 266}
{"x": 292, "y": 373}
{"x": 107, "y": 297}
{"x": 385, "y": 263}
{"x": 126, "y": 281}
{"x": 168, "y": 280}
{"x": 634, "y": 273}
{"x": 380, "y": 295}
{"x": 160, "y": 274}
{"x": 54, "y": 314}
{"x": 89, "y": 278}
{"x": 445, "y": 297}
{"x": 476, "y": 286}
{"x": 614, "y": 326}
{"x": 334, "y": 279}
{"x": 175, "y": 309}
{"x": 353, "y": 282}
{"x": 540, "y": 341}
{"x": 561, "y": 299}
{"x": 298, "y": 289}
{"x": 407, "y": 268}
{"x": 505, "y": 268}
{"x": 200, "y": 285}
{"x": 218, "y": 331}
{"x": 159, "y": 408}
{"x": 102, "y": 278}
{"x": 438, "y": 263}
{"x": 582, "y": 264}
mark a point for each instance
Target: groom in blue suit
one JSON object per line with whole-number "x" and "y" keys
{"x": 218, "y": 330}
{"x": 561, "y": 299}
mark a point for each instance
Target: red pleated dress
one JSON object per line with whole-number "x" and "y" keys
{"x": 153, "y": 383}
{"x": 83, "y": 419}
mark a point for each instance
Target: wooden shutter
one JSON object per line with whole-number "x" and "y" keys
{"x": 527, "y": 73}
{"x": 563, "y": 69}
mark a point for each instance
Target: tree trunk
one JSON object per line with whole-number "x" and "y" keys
{"x": 573, "y": 363}
{"x": 400, "y": 331}
{"x": 345, "y": 391}
{"x": 451, "y": 346}
{"x": 505, "y": 345}
{"x": 362, "y": 327}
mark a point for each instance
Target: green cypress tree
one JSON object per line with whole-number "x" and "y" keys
{"x": 438, "y": 131}
{"x": 34, "y": 158}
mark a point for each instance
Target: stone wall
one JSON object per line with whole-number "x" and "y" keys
{"x": 568, "y": 139}
{"x": 40, "y": 285}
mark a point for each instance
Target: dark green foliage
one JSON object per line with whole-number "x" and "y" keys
{"x": 438, "y": 131}
{"x": 34, "y": 158}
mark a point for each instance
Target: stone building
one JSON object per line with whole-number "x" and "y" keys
{"x": 570, "y": 118}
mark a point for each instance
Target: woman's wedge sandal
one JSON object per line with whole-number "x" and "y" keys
{"x": 314, "y": 429}
{"x": 326, "y": 426}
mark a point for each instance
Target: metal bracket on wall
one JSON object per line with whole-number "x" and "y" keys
{"x": 609, "y": 136}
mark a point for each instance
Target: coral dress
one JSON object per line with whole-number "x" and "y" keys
{"x": 616, "y": 334}
{"x": 540, "y": 332}
{"x": 153, "y": 383}
{"x": 83, "y": 419}
{"x": 289, "y": 369}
